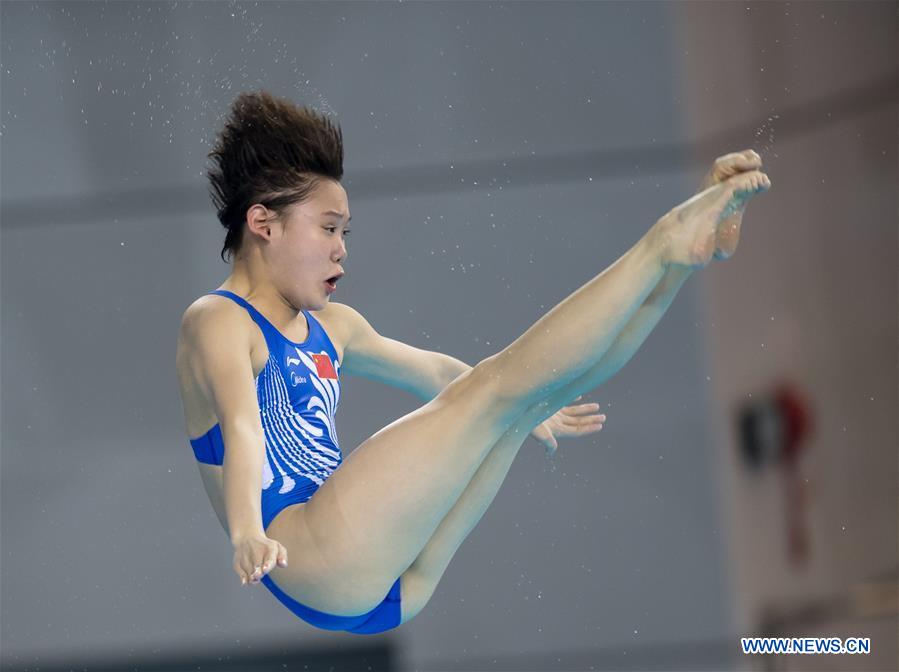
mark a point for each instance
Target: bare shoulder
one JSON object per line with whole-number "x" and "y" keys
{"x": 210, "y": 312}
{"x": 340, "y": 321}
{"x": 340, "y": 314}
{"x": 214, "y": 341}
{"x": 215, "y": 320}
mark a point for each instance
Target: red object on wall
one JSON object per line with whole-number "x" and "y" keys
{"x": 774, "y": 430}
{"x": 797, "y": 420}
{"x": 796, "y": 426}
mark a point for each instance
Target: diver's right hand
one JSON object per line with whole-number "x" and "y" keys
{"x": 255, "y": 556}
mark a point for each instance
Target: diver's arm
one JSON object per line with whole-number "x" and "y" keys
{"x": 425, "y": 373}
{"x": 367, "y": 353}
{"x": 220, "y": 346}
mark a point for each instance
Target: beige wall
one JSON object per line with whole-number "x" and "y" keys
{"x": 811, "y": 295}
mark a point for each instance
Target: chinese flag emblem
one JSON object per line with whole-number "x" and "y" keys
{"x": 323, "y": 367}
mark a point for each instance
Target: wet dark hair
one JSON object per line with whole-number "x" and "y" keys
{"x": 270, "y": 151}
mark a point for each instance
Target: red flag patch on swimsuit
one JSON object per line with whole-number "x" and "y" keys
{"x": 324, "y": 367}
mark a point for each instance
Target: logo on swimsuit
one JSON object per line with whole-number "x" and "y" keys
{"x": 320, "y": 362}
{"x": 294, "y": 378}
{"x": 324, "y": 368}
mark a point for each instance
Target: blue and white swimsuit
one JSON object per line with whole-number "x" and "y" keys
{"x": 298, "y": 393}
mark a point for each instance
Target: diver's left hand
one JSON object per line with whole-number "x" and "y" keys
{"x": 578, "y": 420}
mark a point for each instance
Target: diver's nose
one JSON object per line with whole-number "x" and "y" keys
{"x": 341, "y": 252}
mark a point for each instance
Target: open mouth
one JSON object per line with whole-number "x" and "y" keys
{"x": 331, "y": 283}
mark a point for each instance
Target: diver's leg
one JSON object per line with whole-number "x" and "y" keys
{"x": 575, "y": 334}
{"x": 374, "y": 515}
{"x": 370, "y": 520}
{"x": 421, "y": 578}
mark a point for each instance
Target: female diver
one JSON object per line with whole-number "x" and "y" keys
{"x": 259, "y": 363}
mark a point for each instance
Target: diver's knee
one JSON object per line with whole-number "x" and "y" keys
{"x": 478, "y": 390}
{"x": 415, "y": 592}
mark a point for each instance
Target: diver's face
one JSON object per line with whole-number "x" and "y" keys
{"x": 311, "y": 249}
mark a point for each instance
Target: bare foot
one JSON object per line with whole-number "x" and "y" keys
{"x": 689, "y": 233}
{"x": 725, "y": 167}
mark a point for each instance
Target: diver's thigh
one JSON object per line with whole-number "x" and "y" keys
{"x": 375, "y": 513}
{"x": 310, "y": 579}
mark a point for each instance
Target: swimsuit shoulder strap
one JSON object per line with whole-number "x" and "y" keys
{"x": 315, "y": 327}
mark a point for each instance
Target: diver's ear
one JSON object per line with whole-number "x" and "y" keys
{"x": 260, "y": 220}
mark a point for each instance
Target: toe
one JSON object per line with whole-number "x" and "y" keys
{"x": 752, "y": 159}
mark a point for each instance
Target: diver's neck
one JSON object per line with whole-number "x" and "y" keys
{"x": 255, "y": 286}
